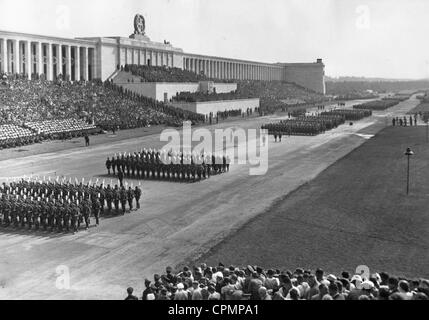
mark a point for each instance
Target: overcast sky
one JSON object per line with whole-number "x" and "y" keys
{"x": 373, "y": 38}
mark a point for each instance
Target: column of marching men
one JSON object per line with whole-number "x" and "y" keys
{"x": 316, "y": 124}
{"x": 168, "y": 165}
{"x": 62, "y": 206}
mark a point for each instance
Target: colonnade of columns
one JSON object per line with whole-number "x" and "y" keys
{"x": 33, "y": 58}
{"x": 145, "y": 57}
{"x": 228, "y": 70}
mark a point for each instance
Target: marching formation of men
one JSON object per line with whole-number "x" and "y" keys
{"x": 61, "y": 206}
{"x": 349, "y": 115}
{"x": 307, "y": 125}
{"x": 168, "y": 165}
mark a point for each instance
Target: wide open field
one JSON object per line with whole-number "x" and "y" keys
{"x": 354, "y": 213}
{"x": 177, "y": 222}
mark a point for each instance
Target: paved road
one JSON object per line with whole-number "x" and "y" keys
{"x": 178, "y": 221}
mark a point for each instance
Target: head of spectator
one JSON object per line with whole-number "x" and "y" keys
{"x": 333, "y": 289}
{"x": 383, "y": 293}
{"x": 287, "y": 284}
{"x": 319, "y": 274}
{"x": 312, "y": 281}
{"x": 403, "y": 286}
{"x": 331, "y": 278}
{"x": 363, "y": 297}
{"x": 414, "y": 284}
{"x": 345, "y": 275}
{"x": 327, "y": 297}
{"x": 357, "y": 281}
{"x": 384, "y": 278}
{"x": 323, "y": 290}
{"x": 393, "y": 284}
{"x": 294, "y": 294}
{"x": 262, "y": 291}
{"x": 346, "y": 284}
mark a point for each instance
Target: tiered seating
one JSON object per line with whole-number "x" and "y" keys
{"x": 167, "y": 74}
{"x": 272, "y": 93}
{"x": 12, "y": 135}
{"x": 11, "y": 131}
{"x": 109, "y": 106}
{"x": 59, "y": 126}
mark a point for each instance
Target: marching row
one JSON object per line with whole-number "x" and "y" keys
{"x": 61, "y": 206}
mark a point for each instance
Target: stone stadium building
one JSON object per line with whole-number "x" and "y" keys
{"x": 99, "y": 58}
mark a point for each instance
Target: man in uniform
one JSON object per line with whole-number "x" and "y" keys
{"x": 51, "y": 215}
{"x": 74, "y": 217}
{"x": 59, "y": 217}
{"x": 109, "y": 198}
{"x": 130, "y": 196}
{"x": 86, "y": 206}
{"x": 66, "y": 216}
{"x": 21, "y": 212}
{"x": 108, "y": 166}
{"x": 29, "y": 215}
{"x": 121, "y": 177}
{"x": 43, "y": 214}
{"x": 123, "y": 198}
{"x": 113, "y": 164}
{"x": 137, "y": 195}
{"x": 96, "y": 210}
{"x": 115, "y": 193}
{"x": 36, "y": 215}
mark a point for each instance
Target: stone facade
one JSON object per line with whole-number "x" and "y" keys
{"x": 208, "y": 107}
{"x": 99, "y": 57}
{"x": 164, "y": 91}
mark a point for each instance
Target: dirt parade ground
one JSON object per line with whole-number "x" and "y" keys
{"x": 179, "y": 222}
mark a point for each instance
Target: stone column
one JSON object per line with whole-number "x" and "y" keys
{"x": 49, "y": 62}
{"x": 4, "y": 60}
{"x": 59, "y": 60}
{"x": 76, "y": 64}
{"x": 16, "y": 62}
{"x": 39, "y": 57}
{"x": 28, "y": 62}
{"x": 9, "y": 55}
{"x": 68, "y": 62}
{"x": 85, "y": 63}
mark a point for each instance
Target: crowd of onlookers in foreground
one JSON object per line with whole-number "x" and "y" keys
{"x": 255, "y": 283}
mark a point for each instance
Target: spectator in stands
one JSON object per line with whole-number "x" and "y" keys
{"x": 130, "y": 296}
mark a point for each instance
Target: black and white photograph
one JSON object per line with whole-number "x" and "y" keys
{"x": 228, "y": 151}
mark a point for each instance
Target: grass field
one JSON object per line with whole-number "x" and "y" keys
{"x": 354, "y": 213}
{"x": 423, "y": 107}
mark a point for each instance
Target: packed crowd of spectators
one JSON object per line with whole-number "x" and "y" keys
{"x": 167, "y": 74}
{"x": 272, "y": 94}
{"x": 149, "y": 110}
{"x": 58, "y": 109}
{"x": 255, "y": 283}
{"x": 203, "y": 97}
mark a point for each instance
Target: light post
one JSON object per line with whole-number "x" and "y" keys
{"x": 408, "y": 153}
